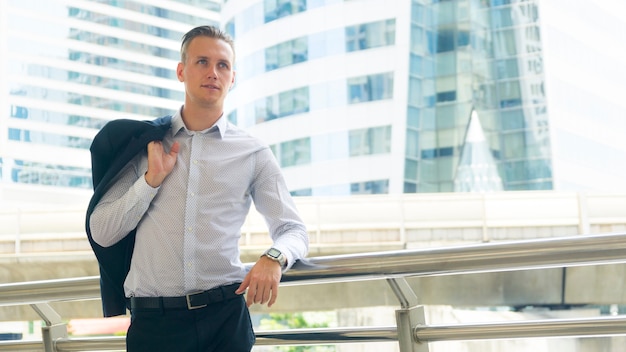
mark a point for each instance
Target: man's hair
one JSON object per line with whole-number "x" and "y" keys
{"x": 205, "y": 31}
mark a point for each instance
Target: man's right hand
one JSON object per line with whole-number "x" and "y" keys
{"x": 160, "y": 163}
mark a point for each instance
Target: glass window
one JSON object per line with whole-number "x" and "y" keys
{"x": 296, "y": 152}
{"x": 445, "y": 40}
{"x": 446, "y": 166}
{"x": 431, "y": 37}
{"x": 505, "y": 43}
{"x": 512, "y": 119}
{"x": 410, "y": 187}
{"x": 275, "y": 9}
{"x": 447, "y": 12}
{"x": 294, "y": 102}
{"x": 370, "y": 88}
{"x": 417, "y": 13}
{"x": 514, "y": 145}
{"x": 446, "y": 116}
{"x": 509, "y": 94}
{"x": 370, "y": 35}
{"x": 428, "y": 171}
{"x": 370, "y": 187}
{"x": 415, "y": 92}
{"x": 415, "y": 65}
{"x": 265, "y": 109}
{"x": 48, "y": 174}
{"x": 508, "y": 68}
{"x": 429, "y": 92}
{"x": 368, "y": 141}
{"x": 418, "y": 40}
{"x": 271, "y": 58}
{"x": 286, "y": 53}
{"x": 502, "y": 17}
{"x": 410, "y": 169}
{"x": 514, "y": 171}
{"x": 429, "y": 67}
{"x": 412, "y": 145}
{"x": 495, "y": 3}
{"x": 446, "y": 64}
{"x": 413, "y": 117}
{"x": 463, "y": 38}
{"x": 428, "y": 122}
{"x": 299, "y": 50}
{"x": 282, "y": 104}
{"x": 429, "y": 153}
{"x": 539, "y": 169}
{"x": 446, "y": 96}
{"x": 307, "y": 192}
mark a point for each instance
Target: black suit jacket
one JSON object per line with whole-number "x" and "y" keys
{"x": 112, "y": 148}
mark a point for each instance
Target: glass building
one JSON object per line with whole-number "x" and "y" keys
{"x": 376, "y": 96}
{"x": 353, "y": 96}
{"x": 68, "y": 67}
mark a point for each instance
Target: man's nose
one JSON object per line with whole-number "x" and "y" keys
{"x": 212, "y": 72}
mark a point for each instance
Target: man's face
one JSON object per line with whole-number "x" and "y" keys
{"x": 208, "y": 72}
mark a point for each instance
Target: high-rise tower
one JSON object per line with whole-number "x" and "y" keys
{"x": 373, "y": 96}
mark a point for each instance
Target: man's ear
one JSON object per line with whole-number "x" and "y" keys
{"x": 179, "y": 72}
{"x": 232, "y": 83}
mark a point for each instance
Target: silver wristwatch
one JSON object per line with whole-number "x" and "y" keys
{"x": 276, "y": 255}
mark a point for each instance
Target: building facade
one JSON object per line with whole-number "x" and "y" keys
{"x": 376, "y": 96}
{"x": 69, "y": 66}
{"x": 353, "y": 96}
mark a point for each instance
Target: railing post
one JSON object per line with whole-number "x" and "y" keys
{"x": 55, "y": 328}
{"x": 408, "y": 317}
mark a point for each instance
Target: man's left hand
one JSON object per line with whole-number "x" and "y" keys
{"x": 262, "y": 282}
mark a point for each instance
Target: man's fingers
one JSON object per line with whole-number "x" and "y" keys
{"x": 267, "y": 292}
{"x": 258, "y": 295}
{"x": 175, "y": 148}
{"x": 274, "y": 296}
{"x": 242, "y": 288}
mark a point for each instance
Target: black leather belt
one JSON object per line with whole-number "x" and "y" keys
{"x": 191, "y": 301}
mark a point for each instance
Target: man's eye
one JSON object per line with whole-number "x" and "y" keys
{"x": 202, "y": 61}
{"x": 223, "y": 65}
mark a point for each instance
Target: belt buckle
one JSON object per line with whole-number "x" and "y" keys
{"x": 191, "y": 307}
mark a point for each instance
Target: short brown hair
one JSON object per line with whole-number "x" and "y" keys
{"x": 205, "y": 31}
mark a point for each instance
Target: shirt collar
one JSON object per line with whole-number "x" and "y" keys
{"x": 178, "y": 124}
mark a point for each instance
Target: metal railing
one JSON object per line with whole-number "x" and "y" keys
{"x": 411, "y": 331}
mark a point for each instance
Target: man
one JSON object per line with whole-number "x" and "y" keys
{"x": 184, "y": 199}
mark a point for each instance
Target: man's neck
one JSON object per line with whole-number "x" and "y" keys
{"x": 199, "y": 119}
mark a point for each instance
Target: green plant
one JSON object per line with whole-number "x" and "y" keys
{"x": 294, "y": 321}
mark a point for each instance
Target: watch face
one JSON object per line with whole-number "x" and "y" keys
{"x": 273, "y": 252}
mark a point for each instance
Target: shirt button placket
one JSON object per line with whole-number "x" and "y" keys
{"x": 191, "y": 213}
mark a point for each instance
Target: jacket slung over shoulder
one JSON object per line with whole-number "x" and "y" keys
{"x": 118, "y": 142}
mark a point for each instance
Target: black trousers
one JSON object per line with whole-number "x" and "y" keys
{"x": 219, "y": 327}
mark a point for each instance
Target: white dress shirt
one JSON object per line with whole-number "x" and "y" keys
{"x": 188, "y": 229}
